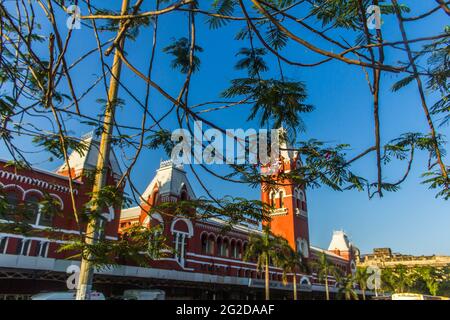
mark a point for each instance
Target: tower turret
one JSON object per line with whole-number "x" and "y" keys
{"x": 81, "y": 163}
{"x": 170, "y": 184}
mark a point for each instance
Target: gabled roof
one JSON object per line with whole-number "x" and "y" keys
{"x": 169, "y": 179}
{"x": 88, "y": 160}
{"x": 339, "y": 241}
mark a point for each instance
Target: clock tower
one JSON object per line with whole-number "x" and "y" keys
{"x": 289, "y": 219}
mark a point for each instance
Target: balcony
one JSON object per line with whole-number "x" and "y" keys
{"x": 300, "y": 212}
{"x": 279, "y": 212}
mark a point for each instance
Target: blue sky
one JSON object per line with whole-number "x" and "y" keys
{"x": 410, "y": 220}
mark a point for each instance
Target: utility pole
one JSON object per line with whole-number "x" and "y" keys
{"x": 92, "y": 230}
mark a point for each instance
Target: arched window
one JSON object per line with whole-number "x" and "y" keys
{"x": 219, "y": 246}
{"x": 33, "y": 211}
{"x": 44, "y": 219}
{"x": 180, "y": 239}
{"x": 302, "y": 247}
{"x": 211, "y": 244}
{"x": 298, "y": 202}
{"x": 225, "y": 248}
{"x": 305, "y": 281}
{"x": 204, "y": 241}
{"x": 272, "y": 198}
{"x": 300, "y": 199}
{"x": 233, "y": 249}
{"x": 281, "y": 194}
{"x": 305, "y": 248}
{"x": 239, "y": 250}
{"x": 303, "y": 200}
{"x": 183, "y": 194}
{"x": 13, "y": 200}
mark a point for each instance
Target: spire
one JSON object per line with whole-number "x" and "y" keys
{"x": 286, "y": 148}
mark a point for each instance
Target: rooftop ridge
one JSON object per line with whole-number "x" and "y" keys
{"x": 169, "y": 163}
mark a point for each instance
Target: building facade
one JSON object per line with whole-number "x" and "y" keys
{"x": 24, "y": 188}
{"x": 207, "y": 262}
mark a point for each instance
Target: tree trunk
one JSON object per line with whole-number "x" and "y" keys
{"x": 92, "y": 229}
{"x": 267, "y": 278}
{"x": 326, "y": 287}
{"x": 295, "y": 286}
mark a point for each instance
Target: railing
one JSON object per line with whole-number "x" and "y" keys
{"x": 300, "y": 212}
{"x": 279, "y": 212}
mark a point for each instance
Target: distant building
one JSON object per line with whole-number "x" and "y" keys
{"x": 385, "y": 258}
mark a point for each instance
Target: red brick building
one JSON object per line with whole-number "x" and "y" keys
{"x": 207, "y": 262}
{"x": 205, "y": 253}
